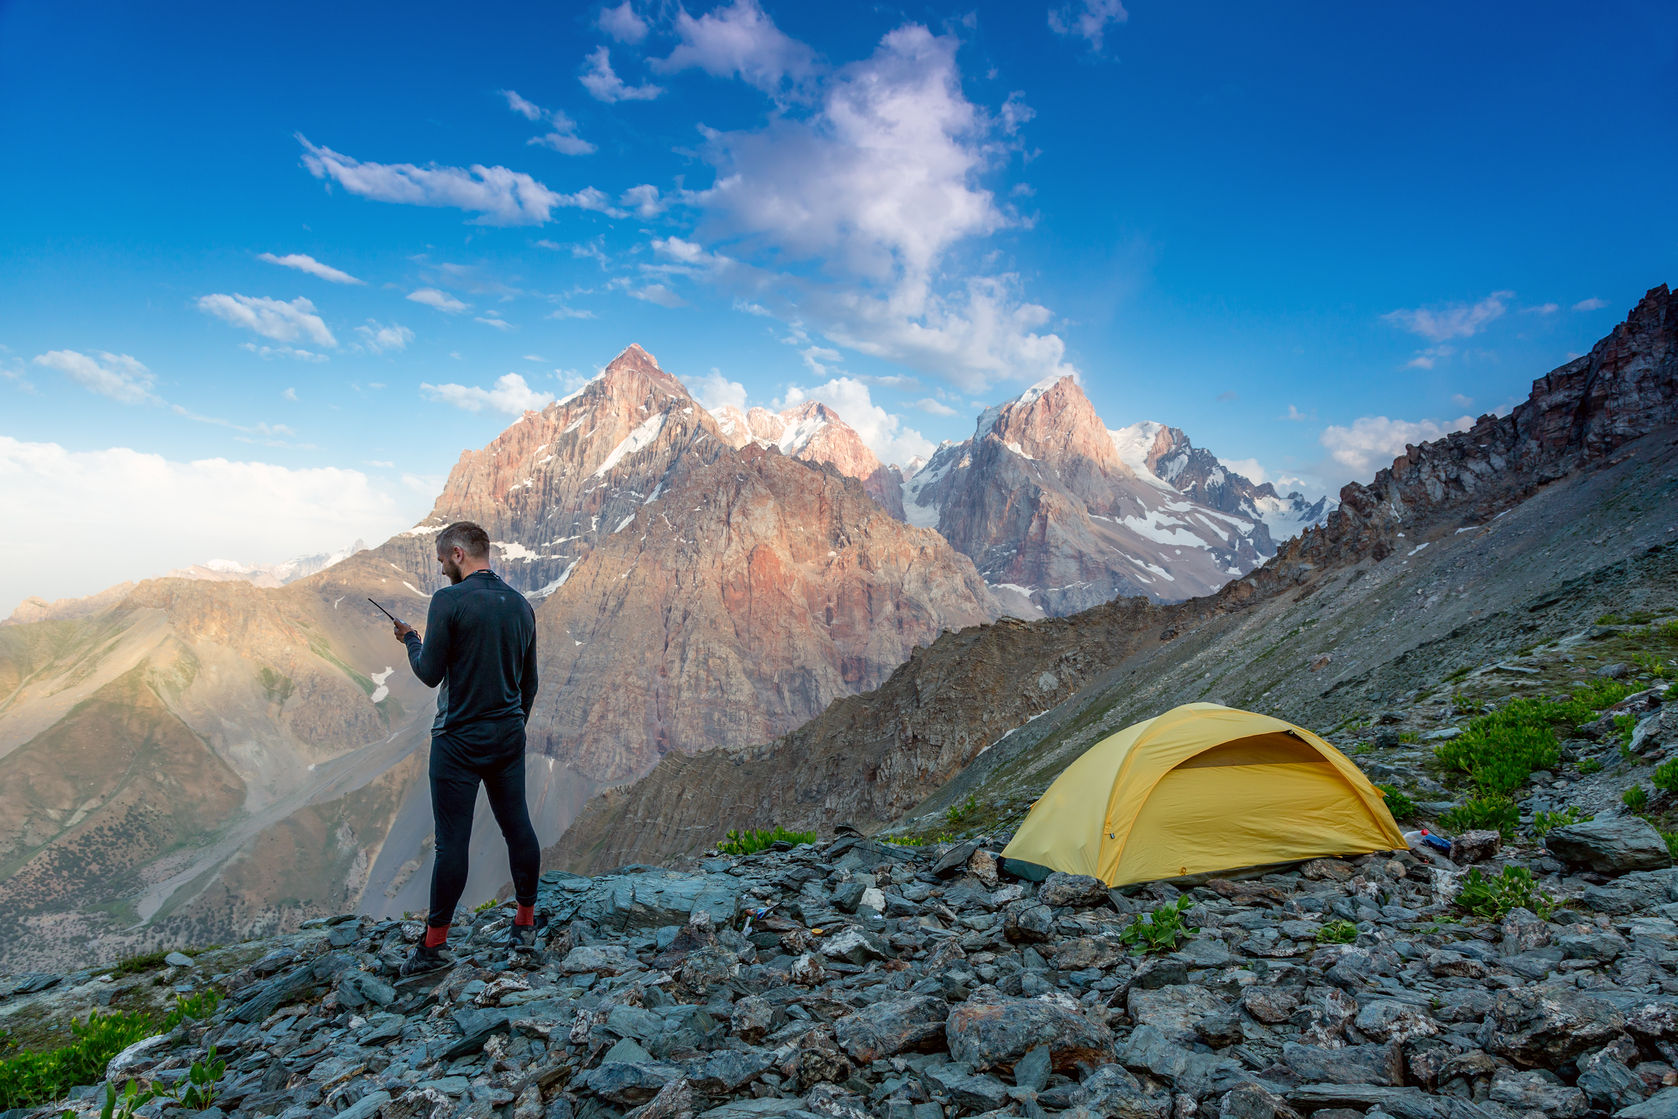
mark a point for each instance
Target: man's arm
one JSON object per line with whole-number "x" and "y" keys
{"x": 527, "y": 678}
{"x": 429, "y": 658}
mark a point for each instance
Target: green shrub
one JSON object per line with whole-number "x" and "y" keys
{"x": 1635, "y": 798}
{"x": 1491, "y": 898}
{"x": 1671, "y": 838}
{"x": 1665, "y": 777}
{"x": 1398, "y": 802}
{"x": 751, "y": 842}
{"x": 1337, "y": 932}
{"x": 1652, "y": 665}
{"x": 1499, "y": 750}
{"x": 31, "y": 1078}
{"x": 134, "y": 965}
{"x": 1159, "y": 931}
{"x": 956, "y": 813}
{"x": 1543, "y": 823}
{"x": 1589, "y": 765}
{"x": 1496, "y": 812}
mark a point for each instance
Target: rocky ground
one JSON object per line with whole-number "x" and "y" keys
{"x": 865, "y": 978}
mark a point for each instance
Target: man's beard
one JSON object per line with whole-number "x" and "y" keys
{"x": 452, "y": 570}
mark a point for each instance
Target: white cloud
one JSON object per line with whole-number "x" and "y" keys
{"x": 563, "y": 136}
{"x": 739, "y": 40}
{"x": 1294, "y": 415}
{"x": 168, "y": 514}
{"x": 658, "y": 294}
{"x": 644, "y": 200}
{"x": 265, "y": 352}
{"x": 380, "y": 337}
{"x": 603, "y": 83}
{"x": 1426, "y": 359}
{"x": 935, "y": 407}
{"x": 305, "y": 263}
{"x": 272, "y": 435}
{"x": 118, "y": 376}
{"x": 510, "y": 394}
{"x": 497, "y": 195}
{"x": 535, "y": 357}
{"x": 1451, "y": 320}
{"x": 714, "y": 391}
{"x": 431, "y": 297}
{"x": 529, "y": 110}
{"x": 1591, "y": 304}
{"x": 882, "y": 431}
{"x": 1542, "y": 309}
{"x": 1462, "y": 401}
{"x": 1372, "y": 442}
{"x": 875, "y": 188}
{"x": 289, "y": 394}
{"x": 492, "y": 318}
{"x": 622, "y": 24}
{"x": 570, "y": 313}
{"x": 1087, "y": 20}
{"x": 295, "y": 321}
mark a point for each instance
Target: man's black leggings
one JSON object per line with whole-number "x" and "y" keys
{"x": 455, "y": 775}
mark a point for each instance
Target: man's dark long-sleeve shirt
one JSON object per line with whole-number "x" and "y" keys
{"x": 480, "y": 645}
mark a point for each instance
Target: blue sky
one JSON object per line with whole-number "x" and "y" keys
{"x": 268, "y": 271}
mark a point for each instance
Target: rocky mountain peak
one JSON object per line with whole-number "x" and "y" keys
{"x": 1055, "y": 421}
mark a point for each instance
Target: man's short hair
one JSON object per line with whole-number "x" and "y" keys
{"x": 467, "y": 536}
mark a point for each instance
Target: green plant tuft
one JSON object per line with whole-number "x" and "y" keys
{"x": 1496, "y": 812}
{"x": 751, "y": 842}
{"x": 1636, "y": 798}
{"x": 1543, "y": 823}
{"x": 956, "y": 813}
{"x": 1337, "y": 932}
{"x": 1491, "y": 898}
{"x": 1665, "y": 777}
{"x": 1398, "y": 802}
{"x": 1499, "y": 750}
{"x": 1589, "y": 765}
{"x": 1159, "y": 931}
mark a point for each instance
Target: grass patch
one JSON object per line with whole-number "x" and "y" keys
{"x": 1652, "y": 665}
{"x": 917, "y": 840}
{"x": 1635, "y": 798}
{"x": 1492, "y": 898}
{"x": 1543, "y": 823}
{"x": 751, "y": 842}
{"x": 1588, "y": 766}
{"x": 134, "y": 965}
{"x": 1495, "y": 812}
{"x": 1635, "y": 618}
{"x": 28, "y": 1079}
{"x": 1160, "y": 931}
{"x": 1665, "y": 777}
{"x": 1499, "y": 750}
{"x": 956, "y": 813}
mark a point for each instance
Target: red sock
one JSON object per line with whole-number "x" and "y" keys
{"x": 525, "y": 916}
{"x": 436, "y": 936}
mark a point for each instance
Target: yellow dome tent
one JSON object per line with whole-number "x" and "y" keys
{"x": 1203, "y": 788}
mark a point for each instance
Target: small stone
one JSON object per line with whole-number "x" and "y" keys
{"x": 997, "y": 1032}
{"x": 1475, "y": 846}
{"x": 1028, "y": 924}
{"x": 178, "y": 959}
{"x": 1072, "y": 889}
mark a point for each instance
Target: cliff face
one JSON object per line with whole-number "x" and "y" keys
{"x": 813, "y": 432}
{"x": 1041, "y": 500}
{"x": 752, "y": 594}
{"x": 1337, "y": 609}
{"x": 1576, "y": 414}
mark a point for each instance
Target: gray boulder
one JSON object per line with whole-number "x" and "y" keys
{"x": 1611, "y": 846}
{"x": 997, "y": 1032}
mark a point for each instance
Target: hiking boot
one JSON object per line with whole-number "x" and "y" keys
{"x": 522, "y": 938}
{"x": 423, "y": 959}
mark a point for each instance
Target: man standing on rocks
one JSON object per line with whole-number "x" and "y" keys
{"x": 480, "y": 645}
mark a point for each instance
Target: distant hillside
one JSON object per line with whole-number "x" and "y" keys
{"x": 1524, "y": 524}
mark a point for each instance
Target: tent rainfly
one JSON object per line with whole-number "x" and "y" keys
{"x": 1198, "y": 789}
